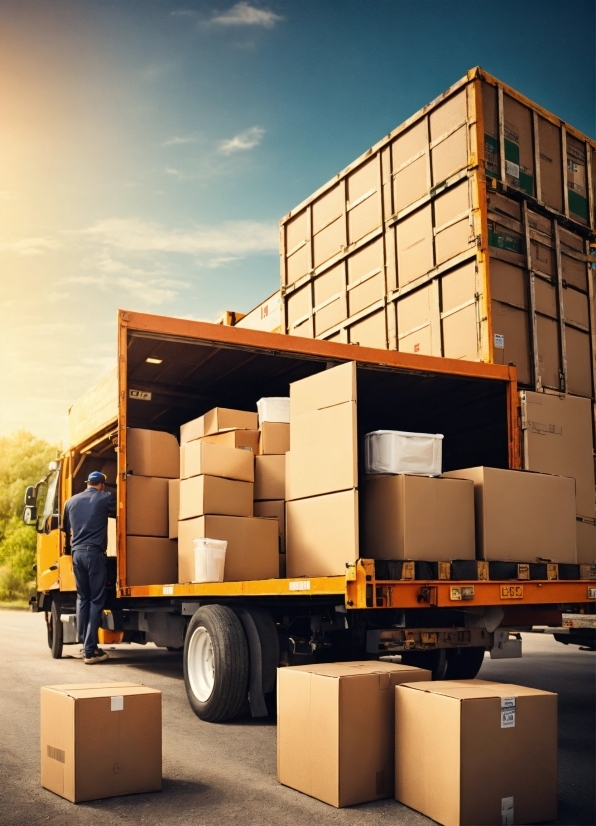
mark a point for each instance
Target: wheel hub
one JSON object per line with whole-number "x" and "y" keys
{"x": 201, "y": 664}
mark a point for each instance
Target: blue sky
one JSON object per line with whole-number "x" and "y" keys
{"x": 150, "y": 147}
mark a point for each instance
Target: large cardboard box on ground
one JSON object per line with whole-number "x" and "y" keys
{"x": 151, "y": 560}
{"x": 335, "y": 729}
{"x": 418, "y": 517}
{"x": 270, "y": 477}
{"x": 274, "y": 509}
{"x": 151, "y": 453}
{"x": 147, "y": 505}
{"x": 252, "y": 552}
{"x": 586, "y": 542}
{"x": 100, "y": 740}
{"x": 198, "y": 458}
{"x": 200, "y": 495}
{"x": 322, "y": 534}
{"x": 274, "y": 438}
{"x": 173, "y": 507}
{"x": 216, "y": 420}
{"x": 558, "y": 440}
{"x": 476, "y": 753}
{"x": 522, "y": 516}
{"x": 245, "y": 439}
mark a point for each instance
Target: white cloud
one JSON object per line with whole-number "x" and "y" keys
{"x": 245, "y": 140}
{"x": 31, "y": 246}
{"x": 243, "y": 14}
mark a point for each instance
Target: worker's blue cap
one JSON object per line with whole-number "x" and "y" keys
{"x": 96, "y": 478}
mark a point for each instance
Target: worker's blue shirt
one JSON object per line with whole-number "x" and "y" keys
{"x": 86, "y": 519}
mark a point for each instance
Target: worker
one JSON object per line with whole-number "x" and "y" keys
{"x": 85, "y": 523}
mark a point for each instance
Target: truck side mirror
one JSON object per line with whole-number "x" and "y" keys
{"x": 30, "y": 515}
{"x": 30, "y": 496}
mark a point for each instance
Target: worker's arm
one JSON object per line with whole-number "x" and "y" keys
{"x": 65, "y": 526}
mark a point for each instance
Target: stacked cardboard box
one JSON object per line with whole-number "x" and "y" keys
{"x": 215, "y": 495}
{"x": 270, "y": 479}
{"x": 152, "y": 459}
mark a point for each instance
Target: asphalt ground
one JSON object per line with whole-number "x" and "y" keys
{"x": 226, "y": 773}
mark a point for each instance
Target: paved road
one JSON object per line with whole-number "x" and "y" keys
{"x": 225, "y": 773}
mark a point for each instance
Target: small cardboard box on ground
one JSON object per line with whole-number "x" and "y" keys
{"x": 202, "y": 458}
{"x": 418, "y": 517}
{"x": 274, "y": 509}
{"x": 473, "y": 752}
{"x": 173, "y": 507}
{"x": 522, "y": 516}
{"x": 100, "y": 740}
{"x": 152, "y": 453}
{"x": 202, "y": 495}
{"x": 147, "y": 505}
{"x": 151, "y": 560}
{"x": 217, "y": 420}
{"x": 252, "y": 552}
{"x": 270, "y": 477}
{"x": 335, "y": 727}
{"x": 274, "y": 438}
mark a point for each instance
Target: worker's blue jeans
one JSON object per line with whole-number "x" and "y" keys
{"x": 90, "y": 574}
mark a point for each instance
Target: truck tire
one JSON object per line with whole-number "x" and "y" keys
{"x": 54, "y": 626}
{"x": 464, "y": 663}
{"x": 216, "y": 664}
{"x": 434, "y": 661}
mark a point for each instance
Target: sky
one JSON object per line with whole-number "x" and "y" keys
{"x": 148, "y": 149}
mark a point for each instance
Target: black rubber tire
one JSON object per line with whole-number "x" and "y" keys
{"x": 55, "y": 635}
{"x": 464, "y": 663}
{"x": 434, "y": 661}
{"x": 230, "y": 663}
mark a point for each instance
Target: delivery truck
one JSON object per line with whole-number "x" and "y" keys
{"x": 342, "y": 600}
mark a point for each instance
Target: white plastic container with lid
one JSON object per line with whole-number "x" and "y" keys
{"x": 210, "y": 559}
{"x": 274, "y": 409}
{"x": 397, "y": 451}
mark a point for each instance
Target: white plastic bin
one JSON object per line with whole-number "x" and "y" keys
{"x": 210, "y": 559}
{"x": 397, "y": 451}
{"x": 274, "y": 409}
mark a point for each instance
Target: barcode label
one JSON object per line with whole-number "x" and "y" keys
{"x": 506, "y": 811}
{"x": 56, "y": 754}
{"x": 507, "y": 715}
{"x": 117, "y": 703}
{"x": 302, "y": 585}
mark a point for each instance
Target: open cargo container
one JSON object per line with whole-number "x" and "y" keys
{"x": 464, "y": 233}
{"x": 173, "y": 370}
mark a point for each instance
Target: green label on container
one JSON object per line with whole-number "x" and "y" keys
{"x": 511, "y": 151}
{"x": 578, "y": 204}
{"x": 491, "y": 152}
{"x": 504, "y": 240}
{"x": 526, "y": 182}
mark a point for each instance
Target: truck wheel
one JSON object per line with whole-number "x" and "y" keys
{"x": 464, "y": 663}
{"x": 54, "y": 626}
{"x": 434, "y": 661}
{"x": 216, "y": 664}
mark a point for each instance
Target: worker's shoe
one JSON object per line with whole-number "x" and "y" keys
{"x": 98, "y": 656}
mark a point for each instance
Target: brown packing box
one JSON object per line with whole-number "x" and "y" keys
{"x": 112, "y": 548}
{"x": 418, "y": 517}
{"x": 100, "y": 740}
{"x": 151, "y": 560}
{"x": 270, "y": 477}
{"x": 252, "y": 552}
{"x": 586, "y": 542}
{"x": 173, "y": 507}
{"x": 274, "y": 509}
{"x": 325, "y": 389}
{"x": 152, "y": 453}
{"x": 216, "y": 420}
{"x": 322, "y": 534}
{"x": 192, "y": 430}
{"x": 477, "y": 753}
{"x": 274, "y": 438}
{"x": 198, "y": 458}
{"x": 147, "y": 506}
{"x": 245, "y": 439}
{"x": 522, "y": 516}
{"x": 335, "y": 729}
{"x": 212, "y": 494}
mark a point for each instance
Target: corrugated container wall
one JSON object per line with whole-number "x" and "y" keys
{"x": 464, "y": 233}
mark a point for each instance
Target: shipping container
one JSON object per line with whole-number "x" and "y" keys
{"x": 464, "y": 233}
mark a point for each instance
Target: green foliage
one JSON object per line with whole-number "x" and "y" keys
{"x": 23, "y": 461}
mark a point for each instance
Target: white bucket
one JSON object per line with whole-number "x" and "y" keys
{"x": 274, "y": 409}
{"x": 210, "y": 559}
{"x": 398, "y": 451}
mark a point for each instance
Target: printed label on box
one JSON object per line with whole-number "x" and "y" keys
{"x": 508, "y": 716}
{"x": 117, "y": 703}
{"x": 506, "y": 811}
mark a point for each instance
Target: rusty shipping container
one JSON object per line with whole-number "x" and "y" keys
{"x": 464, "y": 233}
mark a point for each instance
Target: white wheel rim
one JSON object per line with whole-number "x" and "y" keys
{"x": 200, "y": 664}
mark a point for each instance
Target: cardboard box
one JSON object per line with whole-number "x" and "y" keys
{"x": 558, "y": 440}
{"x": 522, "y": 516}
{"x": 479, "y": 753}
{"x": 322, "y": 534}
{"x": 152, "y": 453}
{"x": 112, "y": 548}
{"x": 586, "y": 542}
{"x": 200, "y": 458}
{"x": 252, "y": 552}
{"x": 418, "y": 517}
{"x": 192, "y": 430}
{"x": 325, "y": 389}
{"x": 151, "y": 560}
{"x": 217, "y": 420}
{"x": 147, "y": 505}
{"x": 173, "y": 507}
{"x": 274, "y": 509}
{"x": 245, "y": 439}
{"x": 270, "y": 477}
{"x": 100, "y": 740}
{"x": 200, "y": 495}
{"x": 274, "y": 438}
{"x": 335, "y": 729}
